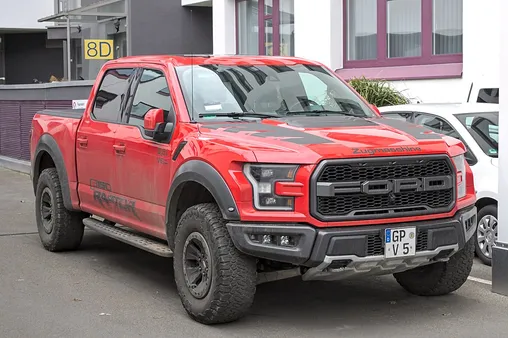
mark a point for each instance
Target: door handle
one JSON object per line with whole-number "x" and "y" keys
{"x": 82, "y": 141}
{"x": 119, "y": 148}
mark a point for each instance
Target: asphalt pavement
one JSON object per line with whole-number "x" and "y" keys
{"x": 109, "y": 289}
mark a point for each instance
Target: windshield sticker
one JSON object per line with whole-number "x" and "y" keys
{"x": 386, "y": 150}
{"x": 492, "y": 151}
{"x": 213, "y": 107}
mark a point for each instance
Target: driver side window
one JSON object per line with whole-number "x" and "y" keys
{"x": 152, "y": 92}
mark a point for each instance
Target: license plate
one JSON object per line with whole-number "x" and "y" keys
{"x": 400, "y": 242}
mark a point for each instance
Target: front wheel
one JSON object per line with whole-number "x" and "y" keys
{"x": 216, "y": 283}
{"x": 439, "y": 278}
{"x": 486, "y": 233}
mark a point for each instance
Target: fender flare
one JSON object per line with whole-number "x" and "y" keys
{"x": 206, "y": 175}
{"x": 48, "y": 144}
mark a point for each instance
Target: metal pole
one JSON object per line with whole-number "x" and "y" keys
{"x": 69, "y": 72}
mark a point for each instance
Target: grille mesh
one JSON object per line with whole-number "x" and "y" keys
{"x": 343, "y": 204}
{"x": 345, "y": 172}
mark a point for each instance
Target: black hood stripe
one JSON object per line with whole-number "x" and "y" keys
{"x": 281, "y": 133}
{"x": 269, "y": 131}
{"x": 415, "y": 130}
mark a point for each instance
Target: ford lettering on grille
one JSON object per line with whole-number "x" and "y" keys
{"x": 382, "y": 188}
{"x": 405, "y": 184}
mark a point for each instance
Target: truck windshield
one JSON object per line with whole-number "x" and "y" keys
{"x": 228, "y": 91}
{"x": 484, "y": 128}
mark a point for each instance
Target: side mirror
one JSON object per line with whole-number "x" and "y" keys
{"x": 154, "y": 125}
{"x": 152, "y": 118}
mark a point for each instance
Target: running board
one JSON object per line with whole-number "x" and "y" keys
{"x": 128, "y": 237}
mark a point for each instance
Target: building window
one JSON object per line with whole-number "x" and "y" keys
{"x": 265, "y": 27}
{"x": 402, "y": 32}
{"x": 67, "y": 5}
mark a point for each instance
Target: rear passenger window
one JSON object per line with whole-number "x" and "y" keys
{"x": 111, "y": 95}
{"x": 152, "y": 92}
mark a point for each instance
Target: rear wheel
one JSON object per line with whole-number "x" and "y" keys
{"x": 439, "y": 278}
{"x": 216, "y": 283}
{"x": 486, "y": 233}
{"x": 59, "y": 229}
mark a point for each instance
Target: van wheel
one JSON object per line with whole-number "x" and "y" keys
{"x": 486, "y": 233}
{"x": 216, "y": 283}
{"x": 59, "y": 229}
{"x": 439, "y": 278}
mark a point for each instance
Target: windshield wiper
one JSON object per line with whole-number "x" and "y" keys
{"x": 239, "y": 114}
{"x": 322, "y": 112}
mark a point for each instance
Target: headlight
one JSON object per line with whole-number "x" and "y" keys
{"x": 263, "y": 177}
{"x": 460, "y": 166}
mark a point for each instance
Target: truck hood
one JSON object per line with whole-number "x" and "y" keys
{"x": 307, "y": 139}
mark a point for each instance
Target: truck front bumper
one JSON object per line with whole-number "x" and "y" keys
{"x": 335, "y": 253}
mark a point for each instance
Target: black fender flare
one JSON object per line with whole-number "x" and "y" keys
{"x": 48, "y": 144}
{"x": 206, "y": 175}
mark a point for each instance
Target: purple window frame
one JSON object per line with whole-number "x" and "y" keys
{"x": 382, "y": 60}
{"x": 275, "y": 16}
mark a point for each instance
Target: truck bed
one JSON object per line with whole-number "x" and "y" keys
{"x": 60, "y": 125}
{"x": 70, "y": 113}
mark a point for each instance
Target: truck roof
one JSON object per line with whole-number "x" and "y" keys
{"x": 202, "y": 59}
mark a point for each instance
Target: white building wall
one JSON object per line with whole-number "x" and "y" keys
{"x": 224, "y": 27}
{"x": 482, "y": 24}
{"x": 481, "y": 48}
{"x": 429, "y": 91}
{"x": 319, "y": 36}
{"x": 318, "y": 31}
{"x": 23, "y": 14}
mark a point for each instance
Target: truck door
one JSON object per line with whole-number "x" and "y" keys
{"x": 145, "y": 167}
{"x": 95, "y": 145}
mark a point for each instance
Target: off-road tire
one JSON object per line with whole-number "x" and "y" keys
{"x": 490, "y": 209}
{"x": 439, "y": 278}
{"x": 64, "y": 231}
{"x": 233, "y": 274}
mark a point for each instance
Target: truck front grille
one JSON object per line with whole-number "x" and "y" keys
{"x": 382, "y": 188}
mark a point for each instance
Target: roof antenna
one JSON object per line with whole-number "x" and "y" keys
{"x": 192, "y": 66}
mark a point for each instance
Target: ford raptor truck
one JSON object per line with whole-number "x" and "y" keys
{"x": 242, "y": 167}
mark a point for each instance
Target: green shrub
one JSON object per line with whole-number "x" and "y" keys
{"x": 378, "y": 92}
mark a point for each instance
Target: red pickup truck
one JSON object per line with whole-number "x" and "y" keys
{"x": 244, "y": 167}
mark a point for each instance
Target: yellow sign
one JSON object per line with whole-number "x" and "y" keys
{"x": 99, "y": 49}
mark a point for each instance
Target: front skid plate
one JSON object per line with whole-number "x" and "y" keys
{"x": 373, "y": 265}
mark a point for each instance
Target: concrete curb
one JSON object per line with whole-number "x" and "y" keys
{"x": 14, "y": 164}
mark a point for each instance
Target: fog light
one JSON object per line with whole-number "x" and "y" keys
{"x": 278, "y": 240}
{"x": 267, "y": 239}
{"x": 284, "y": 240}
